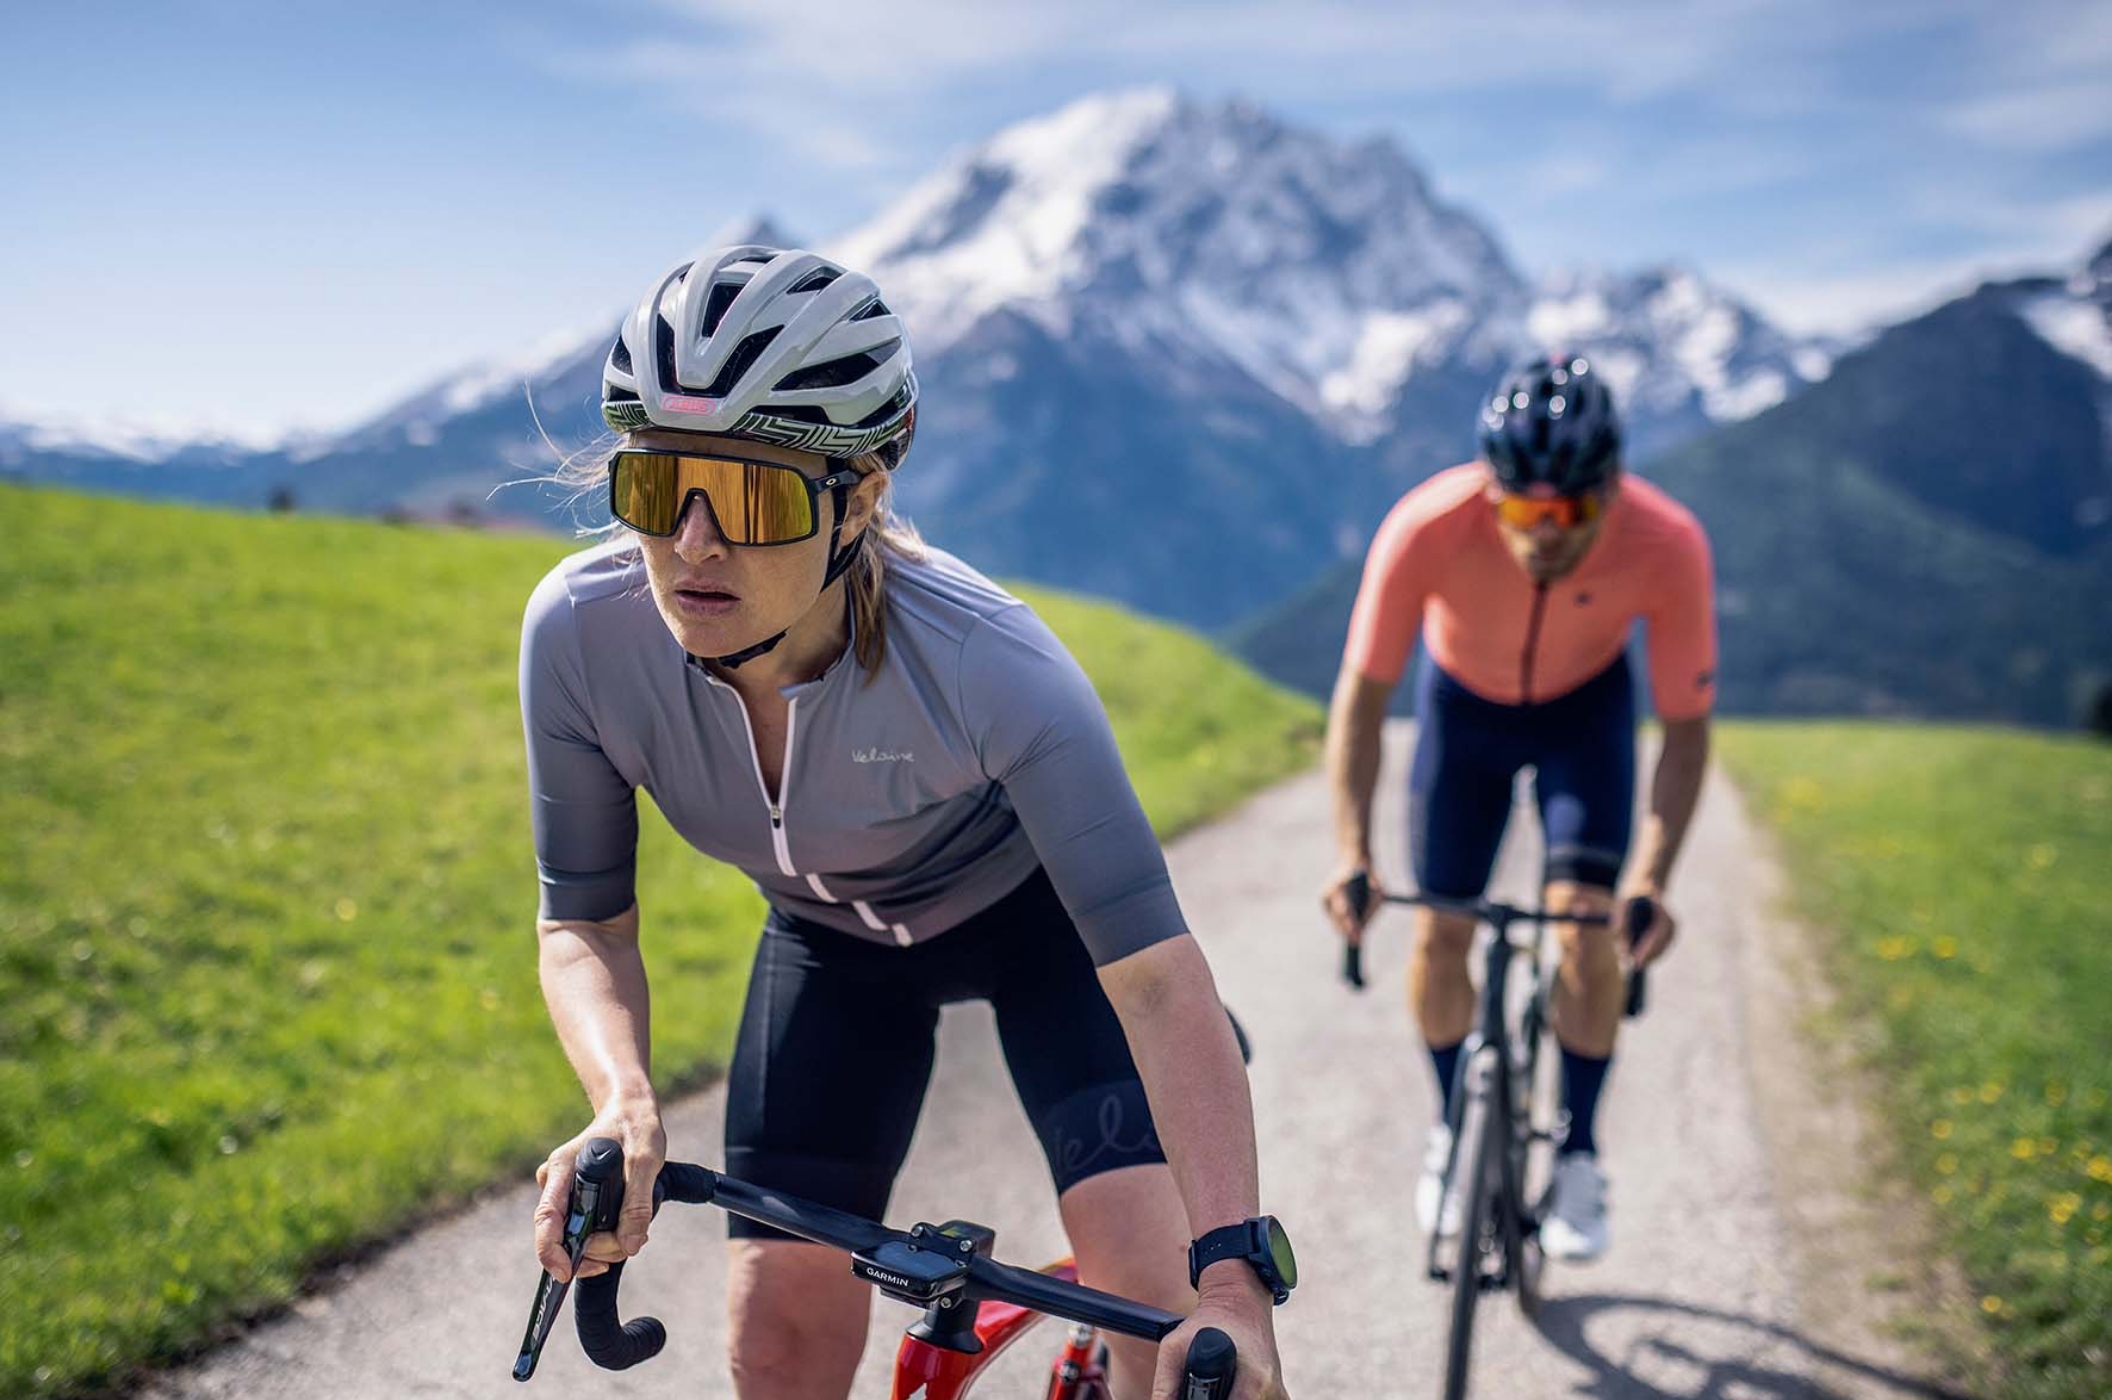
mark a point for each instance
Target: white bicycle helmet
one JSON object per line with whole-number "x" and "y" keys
{"x": 776, "y": 345}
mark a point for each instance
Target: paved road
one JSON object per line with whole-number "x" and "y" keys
{"x": 1699, "y": 1296}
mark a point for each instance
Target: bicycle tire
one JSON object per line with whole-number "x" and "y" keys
{"x": 1522, "y": 1253}
{"x": 1478, "y": 1126}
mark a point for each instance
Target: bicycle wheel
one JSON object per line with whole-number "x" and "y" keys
{"x": 1529, "y": 1163}
{"x": 1480, "y": 1128}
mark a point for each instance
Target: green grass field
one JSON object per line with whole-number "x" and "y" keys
{"x": 1966, "y": 878}
{"x": 267, "y": 970}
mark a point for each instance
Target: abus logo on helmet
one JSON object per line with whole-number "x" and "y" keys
{"x": 687, "y": 403}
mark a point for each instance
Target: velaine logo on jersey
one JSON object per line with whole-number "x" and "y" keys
{"x": 882, "y": 756}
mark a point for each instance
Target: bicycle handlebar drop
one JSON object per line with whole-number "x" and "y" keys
{"x": 932, "y": 1266}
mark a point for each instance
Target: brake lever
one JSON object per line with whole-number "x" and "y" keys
{"x": 597, "y": 1198}
{"x": 1357, "y": 891}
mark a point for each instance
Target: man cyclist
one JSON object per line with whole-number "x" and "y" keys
{"x": 1524, "y": 573}
{"x": 924, "y": 787}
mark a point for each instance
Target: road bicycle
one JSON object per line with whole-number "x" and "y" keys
{"x": 974, "y": 1306}
{"x": 1505, "y": 1126}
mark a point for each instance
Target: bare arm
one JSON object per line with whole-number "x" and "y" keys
{"x": 1355, "y": 720}
{"x": 1675, "y": 790}
{"x": 594, "y": 984}
{"x": 1189, "y": 1062}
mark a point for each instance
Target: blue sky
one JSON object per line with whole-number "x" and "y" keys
{"x": 260, "y": 216}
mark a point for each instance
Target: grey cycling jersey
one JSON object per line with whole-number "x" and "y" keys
{"x": 911, "y": 800}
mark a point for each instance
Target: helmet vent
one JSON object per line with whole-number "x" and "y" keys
{"x": 742, "y": 360}
{"x": 620, "y": 357}
{"x": 664, "y": 352}
{"x": 722, "y": 295}
{"x": 837, "y": 373}
{"x": 814, "y": 281}
{"x": 873, "y": 309}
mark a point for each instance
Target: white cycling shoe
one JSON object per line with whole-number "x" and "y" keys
{"x": 1574, "y": 1228}
{"x": 1437, "y": 1152}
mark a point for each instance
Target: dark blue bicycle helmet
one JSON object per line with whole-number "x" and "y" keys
{"x": 1552, "y": 424}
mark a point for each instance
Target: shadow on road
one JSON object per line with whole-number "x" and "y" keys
{"x": 1669, "y": 1350}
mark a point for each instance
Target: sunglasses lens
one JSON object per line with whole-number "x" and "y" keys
{"x": 753, "y": 502}
{"x": 1566, "y": 512}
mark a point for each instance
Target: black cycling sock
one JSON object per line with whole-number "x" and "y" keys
{"x": 1446, "y": 1058}
{"x": 1582, "y": 1078}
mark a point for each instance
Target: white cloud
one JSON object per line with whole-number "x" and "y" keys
{"x": 2038, "y": 118}
{"x": 1754, "y": 55}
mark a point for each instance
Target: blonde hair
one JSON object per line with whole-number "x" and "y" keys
{"x": 888, "y": 537}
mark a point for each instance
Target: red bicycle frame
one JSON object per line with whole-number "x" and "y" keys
{"x": 927, "y": 1372}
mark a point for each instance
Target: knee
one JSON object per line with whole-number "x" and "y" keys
{"x": 1590, "y": 946}
{"x": 793, "y": 1324}
{"x": 1444, "y": 937}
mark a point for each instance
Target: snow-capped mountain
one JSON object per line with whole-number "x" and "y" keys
{"x": 1212, "y": 345}
{"x": 1327, "y": 271}
{"x": 1313, "y": 265}
{"x": 2073, "y": 314}
{"x": 129, "y": 439}
{"x": 1672, "y": 346}
{"x": 557, "y": 370}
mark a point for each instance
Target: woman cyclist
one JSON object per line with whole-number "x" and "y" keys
{"x": 923, "y": 785}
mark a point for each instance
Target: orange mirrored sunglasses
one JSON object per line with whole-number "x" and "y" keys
{"x": 1523, "y": 512}
{"x": 755, "y": 503}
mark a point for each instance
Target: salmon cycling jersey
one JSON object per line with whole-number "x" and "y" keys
{"x": 1439, "y": 568}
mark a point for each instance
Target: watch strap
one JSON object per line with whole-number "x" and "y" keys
{"x": 1248, "y": 1241}
{"x": 1225, "y": 1242}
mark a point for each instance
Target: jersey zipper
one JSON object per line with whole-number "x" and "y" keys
{"x": 1532, "y": 641}
{"x": 776, "y": 806}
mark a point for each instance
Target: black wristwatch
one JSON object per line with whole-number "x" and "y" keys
{"x": 1261, "y": 1241}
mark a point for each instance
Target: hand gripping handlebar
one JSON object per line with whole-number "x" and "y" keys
{"x": 920, "y": 1266}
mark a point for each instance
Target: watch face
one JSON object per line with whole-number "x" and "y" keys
{"x": 1278, "y": 1243}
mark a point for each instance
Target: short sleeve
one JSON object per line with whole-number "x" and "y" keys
{"x": 1389, "y": 611}
{"x": 584, "y": 813}
{"x": 1682, "y": 628}
{"x": 1040, "y": 732}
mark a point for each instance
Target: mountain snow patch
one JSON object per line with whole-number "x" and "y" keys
{"x": 2075, "y": 328}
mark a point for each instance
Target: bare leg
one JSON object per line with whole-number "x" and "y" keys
{"x": 1130, "y": 1233}
{"x": 798, "y": 1320}
{"x": 1589, "y": 988}
{"x": 1440, "y": 993}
